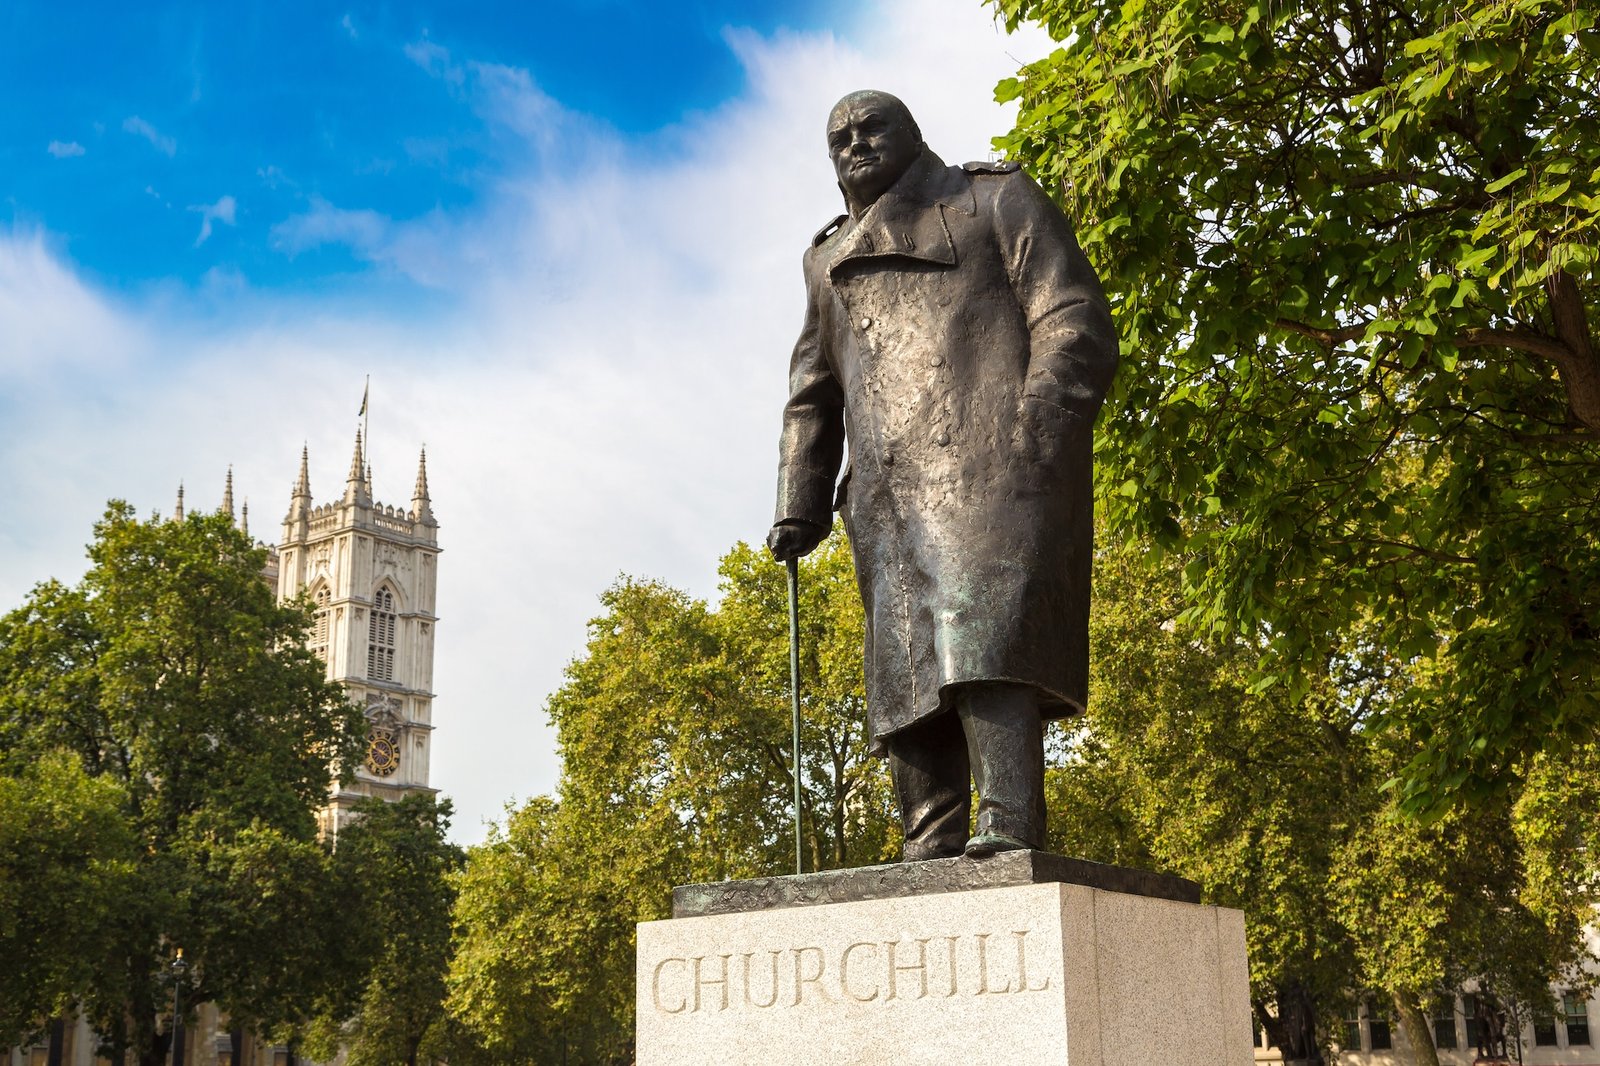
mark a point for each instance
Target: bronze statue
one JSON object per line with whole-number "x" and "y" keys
{"x": 958, "y": 339}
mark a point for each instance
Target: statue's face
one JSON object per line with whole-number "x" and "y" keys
{"x": 871, "y": 141}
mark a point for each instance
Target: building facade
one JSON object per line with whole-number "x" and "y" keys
{"x": 370, "y": 570}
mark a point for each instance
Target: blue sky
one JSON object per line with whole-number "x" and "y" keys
{"x": 562, "y": 240}
{"x": 163, "y": 141}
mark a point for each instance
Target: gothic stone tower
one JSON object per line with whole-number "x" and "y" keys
{"x": 371, "y": 572}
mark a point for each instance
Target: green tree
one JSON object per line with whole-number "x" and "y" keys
{"x": 1351, "y": 251}
{"x": 1181, "y": 766}
{"x": 543, "y": 965}
{"x": 66, "y": 864}
{"x": 180, "y": 684}
{"x": 1276, "y": 805}
{"x": 395, "y": 872}
{"x": 674, "y": 728}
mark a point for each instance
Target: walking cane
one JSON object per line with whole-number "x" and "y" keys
{"x": 794, "y": 692}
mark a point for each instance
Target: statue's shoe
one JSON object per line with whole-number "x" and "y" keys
{"x": 986, "y": 844}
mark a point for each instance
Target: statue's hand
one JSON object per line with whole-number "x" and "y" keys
{"x": 794, "y": 538}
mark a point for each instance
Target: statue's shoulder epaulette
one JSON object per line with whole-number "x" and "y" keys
{"x": 828, "y": 231}
{"x": 998, "y": 166}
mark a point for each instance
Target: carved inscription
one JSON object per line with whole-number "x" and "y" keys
{"x": 866, "y": 971}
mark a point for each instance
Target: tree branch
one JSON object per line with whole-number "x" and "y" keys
{"x": 1331, "y": 337}
{"x": 1415, "y": 549}
{"x": 1519, "y": 339}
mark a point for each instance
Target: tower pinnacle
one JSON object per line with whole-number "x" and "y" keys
{"x": 357, "y": 489}
{"x": 300, "y": 496}
{"x": 177, "y": 512}
{"x": 227, "y": 494}
{"x": 421, "y": 504}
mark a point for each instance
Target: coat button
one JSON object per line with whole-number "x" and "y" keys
{"x": 937, "y": 360}
{"x": 866, "y": 323}
{"x": 942, "y": 439}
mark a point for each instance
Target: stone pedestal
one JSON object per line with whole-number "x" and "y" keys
{"x": 1023, "y": 958}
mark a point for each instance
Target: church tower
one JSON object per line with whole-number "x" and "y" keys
{"x": 370, "y": 569}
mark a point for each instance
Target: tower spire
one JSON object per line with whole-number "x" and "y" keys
{"x": 421, "y": 504}
{"x": 300, "y": 495}
{"x": 356, "y": 465}
{"x": 356, "y": 489}
{"x": 244, "y": 518}
{"x": 227, "y": 493}
{"x": 177, "y": 512}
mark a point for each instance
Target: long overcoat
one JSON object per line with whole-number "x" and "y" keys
{"x": 956, "y": 336}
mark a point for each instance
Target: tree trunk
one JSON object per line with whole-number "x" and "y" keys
{"x": 58, "y": 1040}
{"x": 1580, "y": 372}
{"x": 1293, "y": 1030}
{"x": 1418, "y": 1030}
{"x": 117, "y": 1043}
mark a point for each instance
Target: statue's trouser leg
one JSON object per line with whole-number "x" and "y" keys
{"x": 1005, "y": 744}
{"x": 928, "y": 765}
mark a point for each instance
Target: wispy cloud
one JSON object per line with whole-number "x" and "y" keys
{"x": 364, "y": 232}
{"x": 140, "y": 128}
{"x": 435, "y": 59}
{"x": 221, "y": 211}
{"x": 349, "y": 25}
{"x": 64, "y": 149}
{"x": 273, "y": 176}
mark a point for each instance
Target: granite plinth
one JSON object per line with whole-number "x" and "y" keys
{"x": 933, "y": 876}
{"x": 1049, "y": 973}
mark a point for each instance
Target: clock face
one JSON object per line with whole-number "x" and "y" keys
{"x": 383, "y": 753}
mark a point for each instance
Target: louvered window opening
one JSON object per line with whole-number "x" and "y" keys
{"x": 319, "y": 632}
{"x": 381, "y": 637}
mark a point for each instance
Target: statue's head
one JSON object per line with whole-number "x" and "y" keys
{"x": 872, "y": 140}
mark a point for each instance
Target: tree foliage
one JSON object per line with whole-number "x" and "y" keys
{"x": 395, "y": 872}
{"x": 674, "y": 728}
{"x": 66, "y": 867}
{"x": 188, "y": 697}
{"x": 1276, "y": 805}
{"x": 1351, "y": 251}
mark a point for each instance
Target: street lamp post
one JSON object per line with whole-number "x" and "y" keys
{"x": 178, "y": 968}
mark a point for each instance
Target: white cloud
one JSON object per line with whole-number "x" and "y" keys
{"x": 140, "y": 128}
{"x": 435, "y": 59}
{"x": 53, "y": 326}
{"x": 64, "y": 149}
{"x": 221, "y": 211}
{"x": 349, "y": 25}
{"x": 365, "y": 232}
{"x": 597, "y": 369}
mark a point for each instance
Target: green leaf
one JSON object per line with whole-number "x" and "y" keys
{"x": 1502, "y": 183}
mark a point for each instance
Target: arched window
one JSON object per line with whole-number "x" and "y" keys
{"x": 381, "y": 637}
{"x": 319, "y": 626}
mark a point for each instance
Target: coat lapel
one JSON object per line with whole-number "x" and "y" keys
{"x": 908, "y": 221}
